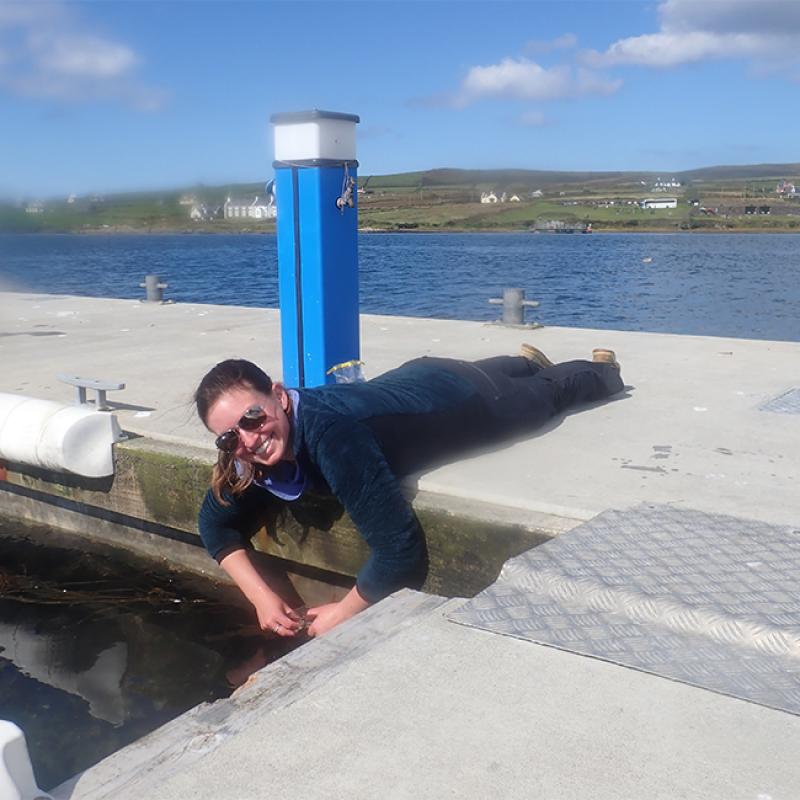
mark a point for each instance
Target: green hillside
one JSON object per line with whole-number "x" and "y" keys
{"x": 712, "y": 198}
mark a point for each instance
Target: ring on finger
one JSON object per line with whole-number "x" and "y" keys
{"x": 276, "y": 626}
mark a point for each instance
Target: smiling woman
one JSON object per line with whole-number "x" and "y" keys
{"x": 355, "y": 441}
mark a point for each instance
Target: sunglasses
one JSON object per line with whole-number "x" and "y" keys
{"x": 251, "y": 420}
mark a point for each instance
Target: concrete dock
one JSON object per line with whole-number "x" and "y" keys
{"x": 687, "y": 432}
{"x": 400, "y": 702}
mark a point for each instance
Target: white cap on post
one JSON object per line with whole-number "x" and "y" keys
{"x": 315, "y": 136}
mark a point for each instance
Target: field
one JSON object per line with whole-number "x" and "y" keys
{"x": 712, "y": 199}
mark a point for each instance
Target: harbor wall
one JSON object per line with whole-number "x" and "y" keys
{"x": 149, "y": 506}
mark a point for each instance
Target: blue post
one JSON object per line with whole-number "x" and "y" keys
{"x": 315, "y": 184}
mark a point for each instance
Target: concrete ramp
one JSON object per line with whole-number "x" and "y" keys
{"x": 709, "y": 600}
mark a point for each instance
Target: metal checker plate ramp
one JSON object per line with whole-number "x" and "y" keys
{"x": 786, "y": 403}
{"x": 705, "y": 599}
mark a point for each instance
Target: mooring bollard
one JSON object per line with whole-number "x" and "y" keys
{"x": 514, "y": 305}
{"x": 315, "y": 182}
{"x": 154, "y": 289}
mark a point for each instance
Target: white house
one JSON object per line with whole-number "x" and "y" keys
{"x": 203, "y": 212}
{"x": 660, "y": 202}
{"x": 257, "y": 208}
{"x": 488, "y": 197}
{"x": 514, "y": 199}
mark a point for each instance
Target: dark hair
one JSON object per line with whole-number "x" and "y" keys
{"x": 234, "y": 373}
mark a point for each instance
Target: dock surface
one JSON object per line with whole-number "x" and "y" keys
{"x": 401, "y": 702}
{"x": 689, "y": 431}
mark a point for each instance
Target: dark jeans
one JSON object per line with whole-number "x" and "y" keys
{"x": 527, "y": 395}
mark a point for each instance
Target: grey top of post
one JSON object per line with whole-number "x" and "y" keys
{"x": 285, "y": 117}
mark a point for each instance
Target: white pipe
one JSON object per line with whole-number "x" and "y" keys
{"x": 42, "y": 433}
{"x": 17, "y": 781}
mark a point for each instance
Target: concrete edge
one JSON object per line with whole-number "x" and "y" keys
{"x": 179, "y": 744}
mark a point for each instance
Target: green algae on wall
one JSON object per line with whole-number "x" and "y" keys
{"x": 171, "y": 488}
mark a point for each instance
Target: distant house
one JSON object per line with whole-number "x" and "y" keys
{"x": 204, "y": 212}
{"x": 786, "y": 189}
{"x": 259, "y": 207}
{"x": 537, "y": 193}
{"x": 514, "y": 199}
{"x": 665, "y": 186}
{"x": 659, "y": 202}
{"x": 488, "y": 197}
{"x": 34, "y": 208}
{"x": 187, "y": 200}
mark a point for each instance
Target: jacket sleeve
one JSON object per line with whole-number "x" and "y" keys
{"x": 223, "y": 527}
{"x": 357, "y": 472}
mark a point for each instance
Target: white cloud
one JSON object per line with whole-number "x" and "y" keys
{"x": 731, "y": 16}
{"x": 526, "y": 80}
{"x": 516, "y": 78}
{"x": 83, "y": 56}
{"x": 763, "y": 31}
{"x": 49, "y": 54}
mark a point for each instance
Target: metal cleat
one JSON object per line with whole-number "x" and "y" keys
{"x": 98, "y": 385}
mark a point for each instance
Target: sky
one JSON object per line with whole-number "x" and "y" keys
{"x": 127, "y": 95}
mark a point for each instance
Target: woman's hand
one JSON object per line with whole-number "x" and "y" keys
{"x": 323, "y": 618}
{"x": 275, "y": 615}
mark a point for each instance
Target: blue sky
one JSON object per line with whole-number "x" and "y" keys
{"x": 112, "y": 96}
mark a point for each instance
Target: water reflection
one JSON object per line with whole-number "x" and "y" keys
{"x": 94, "y": 653}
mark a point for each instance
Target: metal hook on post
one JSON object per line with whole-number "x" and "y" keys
{"x": 514, "y": 305}
{"x": 348, "y": 185}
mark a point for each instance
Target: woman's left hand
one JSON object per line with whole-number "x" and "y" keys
{"x": 328, "y": 616}
{"x": 324, "y": 618}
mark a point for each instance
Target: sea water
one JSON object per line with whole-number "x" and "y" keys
{"x": 99, "y": 648}
{"x": 740, "y": 285}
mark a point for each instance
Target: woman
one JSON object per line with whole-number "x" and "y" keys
{"x": 355, "y": 441}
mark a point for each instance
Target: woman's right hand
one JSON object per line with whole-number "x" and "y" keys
{"x": 276, "y": 616}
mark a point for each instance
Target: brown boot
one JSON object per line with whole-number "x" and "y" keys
{"x": 602, "y": 356}
{"x": 535, "y": 355}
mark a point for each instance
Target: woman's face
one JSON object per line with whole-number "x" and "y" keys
{"x": 270, "y": 443}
